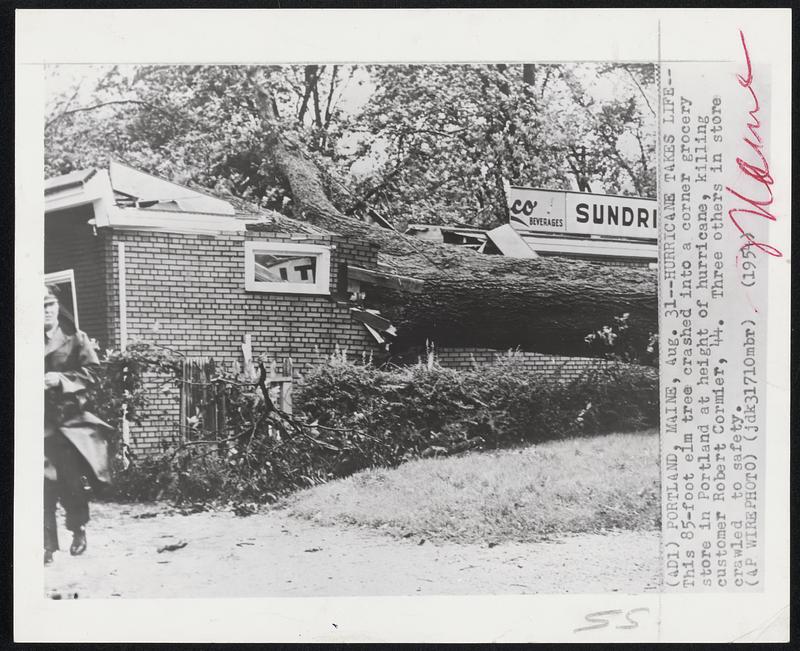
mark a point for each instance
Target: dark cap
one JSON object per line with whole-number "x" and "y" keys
{"x": 50, "y": 295}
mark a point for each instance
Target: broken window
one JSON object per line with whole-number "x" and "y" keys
{"x": 284, "y": 268}
{"x": 287, "y": 268}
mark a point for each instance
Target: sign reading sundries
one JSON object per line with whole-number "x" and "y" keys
{"x": 582, "y": 213}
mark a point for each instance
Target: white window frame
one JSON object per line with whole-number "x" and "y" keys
{"x": 322, "y": 284}
{"x": 59, "y": 277}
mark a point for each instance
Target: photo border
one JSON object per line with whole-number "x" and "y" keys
{"x": 298, "y": 36}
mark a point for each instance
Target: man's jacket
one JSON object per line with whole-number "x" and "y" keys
{"x": 74, "y": 359}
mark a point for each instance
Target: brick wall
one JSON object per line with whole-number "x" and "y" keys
{"x": 186, "y": 291}
{"x": 160, "y": 423}
{"x": 70, "y": 243}
{"x": 564, "y": 368}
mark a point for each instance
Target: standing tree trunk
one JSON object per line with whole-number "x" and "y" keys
{"x": 529, "y": 73}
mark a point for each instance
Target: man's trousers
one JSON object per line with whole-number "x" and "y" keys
{"x": 68, "y": 488}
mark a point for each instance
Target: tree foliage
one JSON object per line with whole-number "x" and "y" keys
{"x": 198, "y": 125}
{"x": 424, "y": 143}
{"x": 450, "y": 134}
{"x": 419, "y": 147}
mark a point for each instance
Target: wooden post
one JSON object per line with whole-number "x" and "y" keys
{"x": 286, "y": 396}
{"x": 184, "y": 400}
{"x": 123, "y": 342}
{"x": 247, "y": 354}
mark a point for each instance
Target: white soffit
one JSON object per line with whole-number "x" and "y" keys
{"x": 595, "y": 247}
{"x": 172, "y": 221}
{"x": 95, "y": 190}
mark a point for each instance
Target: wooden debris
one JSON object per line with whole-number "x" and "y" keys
{"x": 143, "y": 516}
{"x": 373, "y": 319}
{"x": 380, "y": 279}
{"x": 173, "y": 547}
{"x": 510, "y": 242}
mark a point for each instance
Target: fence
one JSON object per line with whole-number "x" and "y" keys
{"x": 203, "y": 404}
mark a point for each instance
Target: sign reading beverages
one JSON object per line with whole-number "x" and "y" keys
{"x": 583, "y": 213}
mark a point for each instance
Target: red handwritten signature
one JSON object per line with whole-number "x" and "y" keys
{"x": 758, "y": 171}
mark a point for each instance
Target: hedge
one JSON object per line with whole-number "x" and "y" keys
{"x": 355, "y": 416}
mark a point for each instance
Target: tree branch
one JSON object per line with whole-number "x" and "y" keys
{"x": 315, "y": 96}
{"x": 330, "y": 96}
{"x": 140, "y": 102}
{"x": 623, "y": 163}
{"x": 573, "y": 85}
{"x": 387, "y": 178}
{"x": 641, "y": 90}
{"x": 547, "y": 75}
{"x": 642, "y": 157}
{"x": 583, "y": 183}
{"x": 67, "y": 103}
{"x": 307, "y": 95}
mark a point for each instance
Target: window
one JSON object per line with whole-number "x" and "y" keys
{"x": 286, "y": 268}
{"x": 63, "y": 283}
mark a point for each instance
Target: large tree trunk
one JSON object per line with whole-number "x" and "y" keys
{"x": 543, "y": 305}
{"x": 547, "y": 305}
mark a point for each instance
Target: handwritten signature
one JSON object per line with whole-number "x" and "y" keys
{"x": 602, "y": 618}
{"x": 758, "y": 171}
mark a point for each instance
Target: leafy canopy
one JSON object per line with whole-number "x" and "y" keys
{"x": 415, "y": 143}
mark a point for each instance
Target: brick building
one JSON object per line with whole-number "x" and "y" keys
{"x": 140, "y": 258}
{"x": 137, "y": 258}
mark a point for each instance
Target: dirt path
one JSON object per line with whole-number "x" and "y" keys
{"x": 271, "y": 554}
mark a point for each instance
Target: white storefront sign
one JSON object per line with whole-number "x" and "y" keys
{"x": 581, "y": 213}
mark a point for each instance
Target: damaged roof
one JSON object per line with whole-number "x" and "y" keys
{"x": 275, "y": 222}
{"x": 271, "y": 221}
{"x": 73, "y": 179}
{"x": 146, "y": 199}
{"x": 150, "y": 191}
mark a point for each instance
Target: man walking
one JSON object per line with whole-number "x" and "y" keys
{"x": 75, "y": 444}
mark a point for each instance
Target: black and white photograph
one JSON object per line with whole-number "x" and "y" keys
{"x": 374, "y": 327}
{"x": 344, "y": 317}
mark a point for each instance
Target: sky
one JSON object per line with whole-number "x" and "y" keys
{"x": 61, "y": 79}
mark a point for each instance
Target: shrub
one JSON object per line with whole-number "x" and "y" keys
{"x": 148, "y": 479}
{"x": 617, "y": 342}
{"x": 356, "y": 416}
{"x": 422, "y": 407}
{"x": 119, "y": 381}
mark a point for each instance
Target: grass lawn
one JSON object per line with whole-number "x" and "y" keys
{"x": 526, "y": 494}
